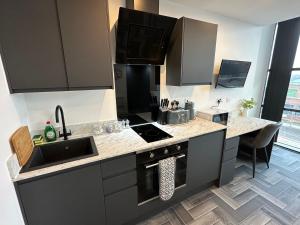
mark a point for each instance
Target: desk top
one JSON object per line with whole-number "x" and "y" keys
{"x": 242, "y": 125}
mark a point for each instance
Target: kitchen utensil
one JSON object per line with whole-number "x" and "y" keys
{"x": 123, "y": 124}
{"x": 97, "y": 129}
{"x": 176, "y": 104}
{"x": 127, "y": 123}
{"x": 165, "y": 103}
{"x": 22, "y": 144}
{"x": 172, "y": 105}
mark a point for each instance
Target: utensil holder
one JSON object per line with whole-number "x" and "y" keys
{"x": 162, "y": 116}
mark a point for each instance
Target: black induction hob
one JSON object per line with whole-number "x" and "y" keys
{"x": 151, "y": 133}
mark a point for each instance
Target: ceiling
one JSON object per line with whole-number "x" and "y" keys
{"x": 260, "y": 12}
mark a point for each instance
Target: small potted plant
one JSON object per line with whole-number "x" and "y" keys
{"x": 246, "y": 105}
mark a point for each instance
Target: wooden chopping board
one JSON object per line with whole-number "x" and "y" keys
{"x": 22, "y": 144}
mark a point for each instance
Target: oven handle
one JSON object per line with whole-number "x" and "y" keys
{"x": 156, "y": 164}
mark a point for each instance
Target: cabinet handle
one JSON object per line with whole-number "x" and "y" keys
{"x": 156, "y": 164}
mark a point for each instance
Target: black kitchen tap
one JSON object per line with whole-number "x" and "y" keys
{"x": 65, "y": 134}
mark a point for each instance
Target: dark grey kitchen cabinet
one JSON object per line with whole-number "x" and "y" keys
{"x": 228, "y": 160}
{"x": 121, "y": 207}
{"x": 227, "y": 172}
{"x": 118, "y": 165}
{"x": 55, "y": 45}
{"x": 119, "y": 182}
{"x": 72, "y": 197}
{"x": 85, "y": 36}
{"x": 120, "y": 189}
{"x": 191, "y": 53}
{"x": 204, "y": 159}
{"x": 31, "y": 47}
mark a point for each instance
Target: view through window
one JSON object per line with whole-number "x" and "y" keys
{"x": 289, "y": 134}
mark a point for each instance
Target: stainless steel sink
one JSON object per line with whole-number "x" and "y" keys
{"x": 60, "y": 152}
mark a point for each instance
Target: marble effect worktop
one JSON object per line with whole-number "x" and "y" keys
{"x": 242, "y": 125}
{"x": 127, "y": 141}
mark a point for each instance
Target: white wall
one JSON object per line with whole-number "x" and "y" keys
{"x": 79, "y": 106}
{"x": 236, "y": 40}
{"x": 11, "y": 117}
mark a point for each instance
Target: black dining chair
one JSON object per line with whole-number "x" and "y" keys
{"x": 260, "y": 141}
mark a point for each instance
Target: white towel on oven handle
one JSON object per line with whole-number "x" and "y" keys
{"x": 167, "y": 170}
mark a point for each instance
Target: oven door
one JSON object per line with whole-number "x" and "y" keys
{"x": 148, "y": 178}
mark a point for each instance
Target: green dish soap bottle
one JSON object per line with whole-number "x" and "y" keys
{"x": 50, "y": 132}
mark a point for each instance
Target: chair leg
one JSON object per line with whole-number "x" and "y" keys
{"x": 267, "y": 157}
{"x": 254, "y": 161}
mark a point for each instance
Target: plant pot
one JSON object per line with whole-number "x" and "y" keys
{"x": 244, "y": 112}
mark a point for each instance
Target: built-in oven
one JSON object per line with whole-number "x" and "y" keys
{"x": 148, "y": 172}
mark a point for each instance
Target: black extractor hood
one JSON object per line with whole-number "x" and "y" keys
{"x": 142, "y": 37}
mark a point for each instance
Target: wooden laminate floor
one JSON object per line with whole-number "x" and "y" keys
{"x": 273, "y": 197}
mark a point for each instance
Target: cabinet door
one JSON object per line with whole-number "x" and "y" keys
{"x": 204, "y": 159}
{"x": 198, "y": 52}
{"x": 85, "y": 35}
{"x": 74, "y": 197}
{"x": 31, "y": 45}
{"x": 121, "y": 207}
{"x": 174, "y": 55}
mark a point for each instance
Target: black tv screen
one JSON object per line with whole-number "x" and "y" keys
{"x": 233, "y": 73}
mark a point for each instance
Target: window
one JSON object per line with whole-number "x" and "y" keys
{"x": 297, "y": 57}
{"x": 292, "y": 93}
{"x": 290, "y": 131}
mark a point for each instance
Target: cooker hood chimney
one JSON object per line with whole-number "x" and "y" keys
{"x": 142, "y": 35}
{"x": 150, "y": 6}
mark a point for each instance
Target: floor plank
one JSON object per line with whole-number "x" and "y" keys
{"x": 271, "y": 198}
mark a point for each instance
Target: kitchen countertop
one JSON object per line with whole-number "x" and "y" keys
{"x": 127, "y": 141}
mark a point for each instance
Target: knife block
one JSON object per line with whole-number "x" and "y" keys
{"x": 162, "y": 116}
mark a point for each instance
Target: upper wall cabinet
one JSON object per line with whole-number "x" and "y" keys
{"x": 54, "y": 45}
{"x": 31, "y": 45}
{"x": 85, "y": 35}
{"x": 191, "y": 54}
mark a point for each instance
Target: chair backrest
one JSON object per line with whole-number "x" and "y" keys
{"x": 266, "y": 134}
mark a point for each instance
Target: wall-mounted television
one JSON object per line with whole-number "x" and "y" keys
{"x": 233, "y": 73}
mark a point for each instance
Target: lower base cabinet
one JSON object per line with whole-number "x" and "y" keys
{"x": 204, "y": 159}
{"x": 227, "y": 172}
{"x": 121, "y": 207}
{"x": 73, "y": 197}
{"x": 105, "y": 193}
{"x": 228, "y": 160}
